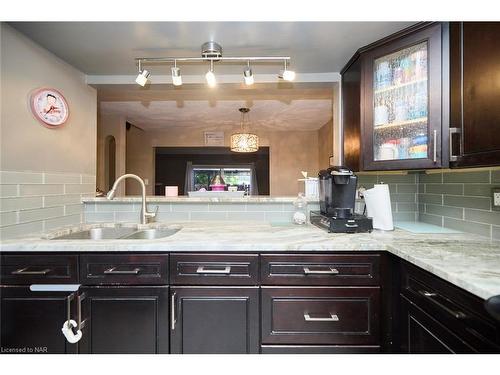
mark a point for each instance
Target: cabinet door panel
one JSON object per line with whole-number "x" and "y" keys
{"x": 32, "y": 321}
{"x": 421, "y": 334}
{"x": 215, "y": 320}
{"x": 126, "y": 320}
{"x": 475, "y": 93}
{"x": 402, "y": 115}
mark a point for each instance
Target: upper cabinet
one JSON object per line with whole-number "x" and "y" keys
{"x": 399, "y": 102}
{"x": 426, "y": 97}
{"x": 475, "y": 94}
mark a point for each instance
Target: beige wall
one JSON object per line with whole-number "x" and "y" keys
{"x": 140, "y": 160}
{"x": 26, "y": 145}
{"x": 43, "y": 172}
{"x": 111, "y": 125}
{"x": 325, "y": 145}
{"x": 290, "y": 153}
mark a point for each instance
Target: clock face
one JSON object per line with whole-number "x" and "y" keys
{"x": 50, "y": 107}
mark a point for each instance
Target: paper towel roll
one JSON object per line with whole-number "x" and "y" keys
{"x": 378, "y": 206}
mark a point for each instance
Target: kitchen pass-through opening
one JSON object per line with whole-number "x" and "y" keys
{"x": 193, "y": 168}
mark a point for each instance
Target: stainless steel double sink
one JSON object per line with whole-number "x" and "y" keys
{"x": 122, "y": 233}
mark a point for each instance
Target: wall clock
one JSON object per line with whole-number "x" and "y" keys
{"x": 49, "y": 107}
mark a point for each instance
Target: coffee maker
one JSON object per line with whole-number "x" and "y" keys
{"x": 337, "y": 197}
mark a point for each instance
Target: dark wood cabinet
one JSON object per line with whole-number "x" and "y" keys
{"x": 214, "y": 320}
{"x": 338, "y": 269}
{"x": 214, "y": 269}
{"x": 125, "y": 320}
{"x": 31, "y": 321}
{"x": 437, "y": 317}
{"x": 392, "y": 102}
{"x": 422, "y": 334}
{"x": 321, "y": 315}
{"x": 474, "y": 94}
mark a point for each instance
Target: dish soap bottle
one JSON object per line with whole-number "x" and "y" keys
{"x": 300, "y": 214}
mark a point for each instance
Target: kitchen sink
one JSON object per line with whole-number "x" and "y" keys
{"x": 151, "y": 234}
{"x": 122, "y": 233}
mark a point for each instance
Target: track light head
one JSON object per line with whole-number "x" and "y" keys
{"x": 142, "y": 77}
{"x": 285, "y": 74}
{"x": 176, "y": 76}
{"x": 248, "y": 76}
{"x": 288, "y": 75}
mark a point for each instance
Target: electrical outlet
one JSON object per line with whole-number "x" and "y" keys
{"x": 146, "y": 181}
{"x": 496, "y": 198}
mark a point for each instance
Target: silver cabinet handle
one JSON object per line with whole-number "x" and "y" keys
{"x": 431, "y": 296}
{"x": 331, "y": 318}
{"x": 434, "y": 157}
{"x": 79, "y": 298}
{"x": 329, "y": 271}
{"x": 172, "y": 311}
{"x": 226, "y": 270}
{"x": 453, "y": 131}
{"x": 351, "y": 225}
{"x": 114, "y": 271}
{"x": 25, "y": 271}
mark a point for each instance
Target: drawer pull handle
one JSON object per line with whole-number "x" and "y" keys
{"x": 226, "y": 270}
{"x": 431, "y": 296}
{"x": 329, "y": 271}
{"x": 114, "y": 271}
{"x": 25, "y": 271}
{"x": 331, "y": 318}
{"x": 173, "y": 320}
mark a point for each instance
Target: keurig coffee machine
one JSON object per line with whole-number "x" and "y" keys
{"x": 337, "y": 197}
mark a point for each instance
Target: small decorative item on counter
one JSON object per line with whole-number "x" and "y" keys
{"x": 300, "y": 214}
{"x": 217, "y": 183}
{"x": 171, "y": 191}
{"x": 232, "y": 188}
{"x": 311, "y": 186}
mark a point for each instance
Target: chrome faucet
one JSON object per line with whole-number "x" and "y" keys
{"x": 145, "y": 215}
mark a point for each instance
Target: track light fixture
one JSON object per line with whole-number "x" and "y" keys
{"x": 142, "y": 77}
{"x": 248, "y": 75}
{"x": 212, "y": 52}
{"x": 176, "y": 75}
{"x": 210, "y": 76}
{"x": 287, "y": 75}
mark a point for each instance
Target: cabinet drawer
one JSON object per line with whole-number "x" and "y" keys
{"x": 124, "y": 269}
{"x": 214, "y": 269}
{"x": 39, "y": 268}
{"x": 320, "y": 315}
{"x": 453, "y": 307}
{"x": 320, "y": 269}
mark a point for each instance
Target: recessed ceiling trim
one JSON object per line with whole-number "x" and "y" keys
{"x": 225, "y": 78}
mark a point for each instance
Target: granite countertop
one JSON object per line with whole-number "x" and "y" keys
{"x": 186, "y": 199}
{"x": 468, "y": 261}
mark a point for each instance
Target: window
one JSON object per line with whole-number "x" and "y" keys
{"x": 234, "y": 176}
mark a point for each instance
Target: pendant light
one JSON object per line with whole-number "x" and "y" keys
{"x": 244, "y": 141}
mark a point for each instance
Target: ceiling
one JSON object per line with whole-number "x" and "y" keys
{"x": 281, "y": 107}
{"x": 109, "y": 48}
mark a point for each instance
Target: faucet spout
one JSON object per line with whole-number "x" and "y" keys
{"x": 145, "y": 215}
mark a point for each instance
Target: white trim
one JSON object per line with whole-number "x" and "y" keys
{"x": 224, "y": 78}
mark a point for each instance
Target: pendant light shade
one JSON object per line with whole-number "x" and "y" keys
{"x": 244, "y": 141}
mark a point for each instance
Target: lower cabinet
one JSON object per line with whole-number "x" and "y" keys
{"x": 206, "y": 320}
{"x": 438, "y": 317}
{"x": 321, "y": 315}
{"x": 125, "y": 319}
{"x": 421, "y": 334}
{"x": 31, "y": 321}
